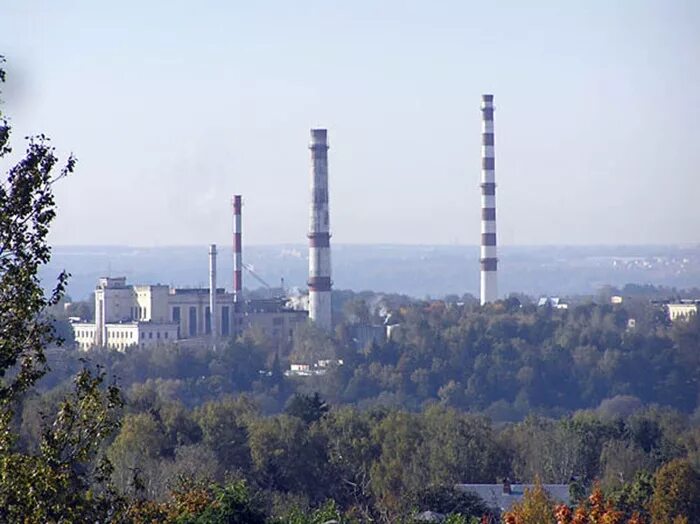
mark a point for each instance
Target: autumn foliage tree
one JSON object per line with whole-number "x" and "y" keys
{"x": 676, "y": 494}
{"x": 536, "y": 507}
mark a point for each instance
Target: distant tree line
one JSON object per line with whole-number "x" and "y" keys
{"x": 505, "y": 360}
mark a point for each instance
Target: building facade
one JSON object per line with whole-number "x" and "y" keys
{"x": 682, "y": 310}
{"x": 148, "y": 315}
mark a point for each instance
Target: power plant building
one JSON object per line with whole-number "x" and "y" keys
{"x": 148, "y": 315}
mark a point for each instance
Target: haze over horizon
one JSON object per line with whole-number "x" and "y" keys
{"x": 171, "y": 109}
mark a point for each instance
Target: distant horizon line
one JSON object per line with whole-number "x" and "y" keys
{"x": 694, "y": 244}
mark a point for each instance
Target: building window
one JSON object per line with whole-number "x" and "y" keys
{"x": 166, "y": 334}
{"x": 193, "y": 321}
{"x": 207, "y": 320}
{"x": 176, "y": 314}
{"x": 150, "y": 334}
{"x": 277, "y": 321}
{"x": 224, "y": 321}
{"x": 158, "y": 335}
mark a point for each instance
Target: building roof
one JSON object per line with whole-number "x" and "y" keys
{"x": 494, "y": 497}
{"x": 430, "y": 516}
{"x": 552, "y": 301}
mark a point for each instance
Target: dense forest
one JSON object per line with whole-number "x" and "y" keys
{"x": 459, "y": 394}
{"x": 506, "y": 360}
{"x": 377, "y": 464}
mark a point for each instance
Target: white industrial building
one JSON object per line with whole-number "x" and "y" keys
{"x": 148, "y": 315}
{"x": 682, "y": 310}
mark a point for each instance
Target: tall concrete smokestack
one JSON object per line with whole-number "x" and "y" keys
{"x": 237, "y": 254}
{"x": 213, "y": 316}
{"x": 319, "y": 234}
{"x": 489, "y": 261}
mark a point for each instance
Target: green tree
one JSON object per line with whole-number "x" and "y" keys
{"x": 137, "y": 455}
{"x": 308, "y": 408}
{"x": 351, "y": 453}
{"x": 311, "y": 344}
{"x": 325, "y": 514}
{"x": 67, "y": 480}
{"x": 634, "y": 497}
{"x": 224, "y": 425}
{"x": 192, "y": 502}
{"x": 230, "y": 504}
{"x": 447, "y": 500}
{"x": 288, "y": 456}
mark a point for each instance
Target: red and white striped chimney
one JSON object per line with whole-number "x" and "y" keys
{"x": 489, "y": 260}
{"x": 319, "y": 234}
{"x": 237, "y": 253}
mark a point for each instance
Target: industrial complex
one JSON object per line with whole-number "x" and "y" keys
{"x": 145, "y": 315}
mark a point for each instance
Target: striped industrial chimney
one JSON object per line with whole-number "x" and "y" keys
{"x": 489, "y": 262}
{"x": 237, "y": 254}
{"x": 319, "y": 234}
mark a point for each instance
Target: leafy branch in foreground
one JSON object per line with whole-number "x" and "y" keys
{"x": 27, "y": 209}
{"x": 67, "y": 481}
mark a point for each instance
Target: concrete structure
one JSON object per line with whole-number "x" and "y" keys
{"x": 319, "y": 234}
{"x": 320, "y": 368}
{"x": 682, "y": 310}
{"x": 123, "y": 335}
{"x": 212, "y": 291}
{"x": 237, "y": 251}
{"x": 553, "y": 302}
{"x": 501, "y": 497}
{"x": 364, "y": 335}
{"x": 489, "y": 260}
{"x": 149, "y": 315}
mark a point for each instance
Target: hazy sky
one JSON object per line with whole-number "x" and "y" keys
{"x": 173, "y": 106}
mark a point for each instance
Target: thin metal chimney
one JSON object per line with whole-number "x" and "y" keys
{"x": 489, "y": 260}
{"x": 319, "y": 234}
{"x": 237, "y": 254}
{"x": 213, "y": 315}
